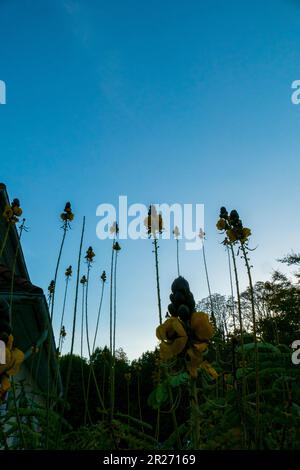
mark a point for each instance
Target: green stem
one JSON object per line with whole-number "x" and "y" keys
{"x": 157, "y": 279}
{"x": 231, "y": 287}
{"x": 257, "y": 421}
{"x": 139, "y": 399}
{"x": 63, "y": 314}
{"x": 65, "y": 228}
{"x": 81, "y": 354}
{"x": 114, "y": 339}
{"x": 242, "y": 342}
{"x": 195, "y": 424}
{"x": 111, "y": 332}
{"x": 177, "y": 253}
{"x": 208, "y": 286}
{"x": 93, "y": 347}
{"x": 69, "y": 370}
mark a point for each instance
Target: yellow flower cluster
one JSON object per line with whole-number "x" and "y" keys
{"x": 189, "y": 340}
{"x": 14, "y": 359}
{"x": 232, "y": 225}
{"x": 12, "y": 212}
{"x": 67, "y": 215}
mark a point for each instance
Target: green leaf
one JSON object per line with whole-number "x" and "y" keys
{"x": 159, "y": 396}
{"x": 178, "y": 379}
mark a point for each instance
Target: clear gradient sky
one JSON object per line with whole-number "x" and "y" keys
{"x": 162, "y": 101}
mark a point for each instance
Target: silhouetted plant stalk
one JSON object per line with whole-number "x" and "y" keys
{"x": 114, "y": 230}
{"x": 83, "y": 282}
{"x": 69, "y": 370}
{"x": 225, "y": 225}
{"x": 117, "y": 248}
{"x": 68, "y": 274}
{"x": 103, "y": 279}
{"x": 89, "y": 259}
{"x": 154, "y": 225}
{"x": 195, "y": 421}
{"x": 237, "y": 233}
{"x": 202, "y": 238}
{"x": 257, "y": 384}
{"x": 139, "y": 395}
{"x": 128, "y": 378}
{"x": 66, "y": 216}
{"x": 176, "y": 234}
{"x": 231, "y": 288}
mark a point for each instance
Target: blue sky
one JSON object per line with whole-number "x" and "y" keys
{"x": 162, "y": 101}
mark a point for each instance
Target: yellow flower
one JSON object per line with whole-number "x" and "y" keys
{"x": 209, "y": 369}
{"x": 246, "y": 232}
{"x": 17, "y": 211}
{"x": 221, "y": 224}
{"x": 195, "y": 358}
{"x": 173, "y": 338}
{"x": 231, "y": 234}
{"x": 14, "y": 358}
{"x": 8, "y": 214}
{"x": 201, "y": 326}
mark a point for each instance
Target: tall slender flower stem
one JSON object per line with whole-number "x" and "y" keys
{"x": 98, "y": 317}
{"x": 84, "y": 287}
{"x": 65, "y": 228}
{"x": 111, "y": 334}
{"x": 208, "y": 284}
{"x": 231, "y": 288}
{"x": 89, "y": 347}
{"x": 60, "y": 340}
{"x": 238, "y": 301}
{"x": 139, "y": 398}
{"x": 195, "y": 424}
{"x": 242, "y": 340}
{"x": 157, "y": 279}
{"x": 114, "y": 336}
{"x": 93, "y": 348}
{"x": 257, "y": 421}
{"x": 177, "y": 256}
{"x": 69, "y": 370}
